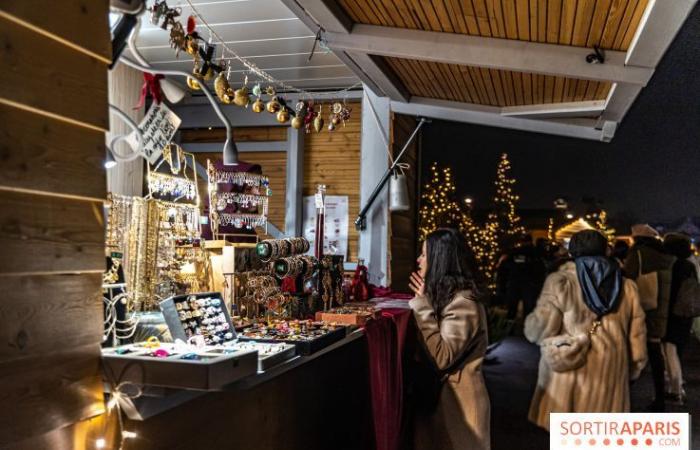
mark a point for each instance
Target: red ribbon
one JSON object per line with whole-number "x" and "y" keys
{"x": 151, "y": 83}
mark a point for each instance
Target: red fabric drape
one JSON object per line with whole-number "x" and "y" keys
{"x": 385, "y": 338}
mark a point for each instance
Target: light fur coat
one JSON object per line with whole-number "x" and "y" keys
{"x": 463, "y": 414}
{"x": 617, "y": 354}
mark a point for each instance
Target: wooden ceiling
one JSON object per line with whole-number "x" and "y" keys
{"x": 609, "y": 24}
{"x": 491, "y": 86}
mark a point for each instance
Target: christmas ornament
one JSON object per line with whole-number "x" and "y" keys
{"x": 318, "y": 120}
{"x": 273, "y": 105}
{"x": 192, "y": 38}
{"x": 241, "y": 96}
{"x": 258, "y": 106}
{"x": 297, "y": 122}
{"x": 331, "y": 127}
{"x": 223, "y": 89}
{"x": 178, "y": 39}
{"x": 161, "y": 11}
{"x": 283, "y": 115}
{"x": 205, "y": 67}
{"x": 193, "y": 84}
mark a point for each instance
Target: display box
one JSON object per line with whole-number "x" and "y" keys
{"x": 198, "y": 314}
{"x": 198, "y": 370}
{"x": 269, "y": 354}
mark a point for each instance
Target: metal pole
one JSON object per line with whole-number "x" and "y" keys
{"x": 361, "y": 221}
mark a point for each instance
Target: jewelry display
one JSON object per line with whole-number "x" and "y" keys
{"x": 118, "y": 220}
{"x": 177, "y": 184}
{"x": 282, "y": 248}
{"x": 198, "y": 315}
{"x": 112, "y": 275}
{"x": 307, "y": 335}
{"x": 176, "y": 187}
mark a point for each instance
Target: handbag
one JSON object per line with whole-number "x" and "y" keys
{"x": 565, "y": 352}
{"x": 688, "y": 299}
{"x": 648, "y": 287}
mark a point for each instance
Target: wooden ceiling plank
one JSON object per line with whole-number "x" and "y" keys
{"x": 568, "y": 16}
{"x": 464, "y": 73}
{"x": 431, "y": 15}
{"x": 581, "y": 87}
{"x": 558, "y": 95}
{"x": 541, "y": 20}
{"x": 584, "y": 15}
{"x": 498, "y": 86}
{"x": 406, "y": 12}
{"x": 590, "y": 91}
{"x": 452, "y": 71}
{"x": 602, "y": 92}
{"x": 624, "y": 24}
{"x": 527, "y": 88}
{"x": 522, "y": 11}
{"x": 617, "y": 11}
{"x": 454, "y": 9}
{"x": 356, "y": 12}
{"x": 381, "y": 16}
{"x": 634, "y": 23}
{"x": 493, "y": 9}
{"x": 488, "y": 86}
{"x": 600, "y": 18}
{"x": 478, "y": 80}
{"x": 553, "y": 21}
{"x": 571, "y": 94}
{"x": 565, "y": 90}
{"x": 533, "y": 20}
{"x": 510, "y": 19}
{"x": 418, "y": 12}
{"x": 507, "y": 79}
{"x": 443, "y": 17}
{"x": 390, "y": 10}
{"x": 446, "y": 88}
{"x": 540, "y": 88}
{"x": 424, "y": 77}
{"x": 482, "y": 17}
{"x": 548, "y": 89}
{"x": 396, "y": 65}
{"x": 518, "y": 88}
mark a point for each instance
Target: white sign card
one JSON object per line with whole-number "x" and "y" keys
{"x": 158, "y": 128}
{"x": 335, "y": 240}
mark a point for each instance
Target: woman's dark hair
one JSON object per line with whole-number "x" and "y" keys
{"x": 451, "y": 267}
{"x": 678, "y": 245}
{"x": 588, "y": 243}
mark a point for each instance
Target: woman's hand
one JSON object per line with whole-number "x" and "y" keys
{"x": 417, "y": 284}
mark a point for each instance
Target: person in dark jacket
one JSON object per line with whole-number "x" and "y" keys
{"x": 526, "y": 275}
{"x": 647, "y": 255}
{"x": 678, "y": 329}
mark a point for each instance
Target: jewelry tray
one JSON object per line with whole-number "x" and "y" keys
{"x": 305, "y": 347}
{"x": 172, "y": 318}
{"x": 283, "y": 352}
{"x": 211, "y": 371}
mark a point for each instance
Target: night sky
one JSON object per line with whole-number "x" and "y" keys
{"x": 649, "y": 172}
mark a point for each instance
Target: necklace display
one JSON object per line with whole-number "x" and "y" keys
{"x": 118, "y": 219}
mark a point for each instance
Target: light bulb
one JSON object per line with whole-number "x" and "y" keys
{"x": 100, "y": 443}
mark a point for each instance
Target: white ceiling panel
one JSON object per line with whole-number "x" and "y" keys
{"x": 269, "y": 61}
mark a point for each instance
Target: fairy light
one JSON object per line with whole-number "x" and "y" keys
{"x": 100, "y": 443}
{"x": 602, "y": 225}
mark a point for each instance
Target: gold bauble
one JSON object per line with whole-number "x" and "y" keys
{"x": 331, "y": 126}
{"x": 297, "y": 122}
{"x": 241, "y": 97}
{"x": 318, "y": 124}
{"x": 283, "y": 115}
{"x": 193, "y": 84}
{"x": 222, "y": 89}
{"x": 210, "y": 74}
{"x": 191, "y": 46}
{"x": 335, "y": 120}
{"x": 258, "y": 106}
{"x": 273, "y": 105}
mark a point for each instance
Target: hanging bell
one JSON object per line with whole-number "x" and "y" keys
{"x": 398, "y": 193}
{"x": 283, "y": 115}
{"x": 241, "y": 97}
{"x": 258, "y": 106}
{"x": 318, "y": 123}
{"x": 273, "y": 105}
{"x": 297, "y": 122}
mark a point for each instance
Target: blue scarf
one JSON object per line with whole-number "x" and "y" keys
{"x": 601, "y": 282}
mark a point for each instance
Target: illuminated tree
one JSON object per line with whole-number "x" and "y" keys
{"x": 439, "y": 205}
{"x": 505, "y": 216}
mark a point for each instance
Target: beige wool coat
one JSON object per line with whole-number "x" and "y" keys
{"x": 462, "y": 417}
{"x": 617, "y": 354}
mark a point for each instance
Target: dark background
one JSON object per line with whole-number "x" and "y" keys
{"x": 649, "y": 172}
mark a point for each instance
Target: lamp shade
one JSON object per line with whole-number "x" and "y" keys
{"x": 172, "y": 91}
{"x": 398, "y": 193}
{"x": 230, "y": 153}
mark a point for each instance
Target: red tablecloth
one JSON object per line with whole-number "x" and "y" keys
{"x": 386, "y": 337}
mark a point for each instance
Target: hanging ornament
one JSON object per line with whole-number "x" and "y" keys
{"x": 344, "y": 114}
{"x": 178, "y": 39}
{"x": 273, "y": 105}
{"x": 331, "y": 127}
{"x": 205, "y": 67}
{"x": 193, "y": 84}
{"x": 318, "y": 120}
{"x": 298, "y": 120}
{"x": 309, "y": 117}
{"x": 270, "y": 91}
{"x": 258, "y": 106}
{"x": 151, "y": 84}
{"x": 241, "y": 97}
{"x": 158, "y": 10}
{"x": 192, "y": 38}
{"x": 283, "y": 115}
{"x": 223, "y": 89}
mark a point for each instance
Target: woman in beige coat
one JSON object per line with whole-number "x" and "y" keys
{"x": 453, "y": 328}
{"x": 589, "y": 289}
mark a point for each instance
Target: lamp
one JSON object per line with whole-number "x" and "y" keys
{"x": 172, "y": 91}
{"x": 230, "y": 153}
{"x": 398, "y": 192}
{"x": 110, "y": 162}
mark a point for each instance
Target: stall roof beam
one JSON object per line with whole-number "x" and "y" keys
{"x": 505, "y": 54}
{"x": 480, "y": 115}
{"x": 385, "y": 78}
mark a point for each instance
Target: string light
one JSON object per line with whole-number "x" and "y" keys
{"x": 602, "y": 225}
{"x": 260, "y": 73}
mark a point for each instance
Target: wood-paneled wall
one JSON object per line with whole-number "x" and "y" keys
{"x": 403, "y": 238}
{"x": 53, "y": 106}
{"x": 333, "y": 159}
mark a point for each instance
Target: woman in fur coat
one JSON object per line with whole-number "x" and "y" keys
{"x": 452, "y": 325}
{"x": 581, "y": 293}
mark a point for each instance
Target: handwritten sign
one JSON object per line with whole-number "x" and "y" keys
{"x": 335, "y": 234}
{"x": 158, "y": 128}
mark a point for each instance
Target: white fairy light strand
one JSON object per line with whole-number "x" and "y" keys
{"x": 260, "y": 72}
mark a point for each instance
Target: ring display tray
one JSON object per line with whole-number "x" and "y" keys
{"x": 269, "y": 354}
{"x": 304, "y": 347}
{"x": 198, "y": 370}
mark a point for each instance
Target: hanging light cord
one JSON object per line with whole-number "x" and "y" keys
{"x": 252, "y": 67}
